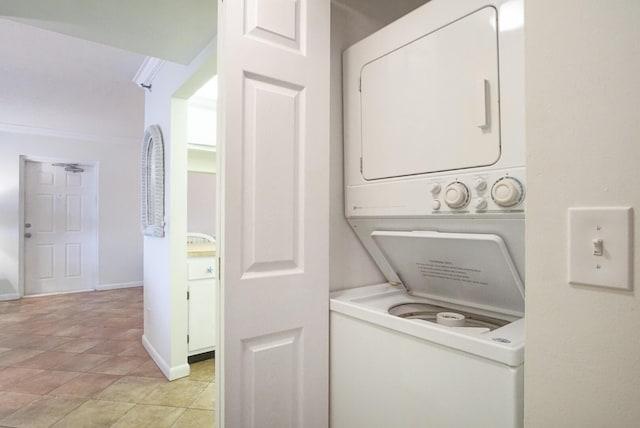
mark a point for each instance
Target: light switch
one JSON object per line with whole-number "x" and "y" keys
{"x": 600, "y": 247}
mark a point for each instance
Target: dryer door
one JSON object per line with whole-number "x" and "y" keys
{"x": 432, "y": 104}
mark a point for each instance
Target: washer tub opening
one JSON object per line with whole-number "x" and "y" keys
{"x": 428, "y": 312}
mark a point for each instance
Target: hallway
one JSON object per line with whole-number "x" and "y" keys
{"x": 77, "y": 360}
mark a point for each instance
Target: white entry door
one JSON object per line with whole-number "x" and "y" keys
{"x": 274, "y": 159}
{"x": 59, "y": 229}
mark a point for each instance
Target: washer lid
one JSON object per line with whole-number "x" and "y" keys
{"x": 474, "y": 270}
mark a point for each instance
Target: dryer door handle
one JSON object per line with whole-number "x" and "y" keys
{"x": 482, "y": 98}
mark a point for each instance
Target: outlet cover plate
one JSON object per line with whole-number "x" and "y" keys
{"x": 610, "y": 230}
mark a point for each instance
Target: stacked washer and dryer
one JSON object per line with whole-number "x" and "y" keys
{"x": 435, "y": 190}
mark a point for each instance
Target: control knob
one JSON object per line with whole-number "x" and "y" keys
{"x": 507, "y": 191}
{"x": 480, "y": 184}
{"x": 456, "y": 195}
{"x": 480, "y": 204}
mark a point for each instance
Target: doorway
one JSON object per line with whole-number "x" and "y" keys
{"x": 201, "y": 221}
{"x": 60, "y": 227}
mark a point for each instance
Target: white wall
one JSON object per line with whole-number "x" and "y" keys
{"x": 92, "y": 108}
{"x": 120, "y": 241}
{"x": 202, "y": 161}
{"x": 66, "y": 85}
{"x": 69, "y": 99}
{"x": 165, "y": 287}
{"x": 351, "y": 20}
{"x": 201, "y": 203}
{"x": 583, "y": 87}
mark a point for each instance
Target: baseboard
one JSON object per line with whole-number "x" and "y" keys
{"x": 57, "y": 293}
{"x": 171, "y": 373}
{"x": 9, "y": 296}
{"x": 99, "y": 287}
{"x": 117, "y": 285}
{"x": 177, "y": 372}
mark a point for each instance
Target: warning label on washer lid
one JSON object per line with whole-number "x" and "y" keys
{"x": 449, "y": 270}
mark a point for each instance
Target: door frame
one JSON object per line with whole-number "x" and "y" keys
{"x": 22, "y": 191}
{"x": 177, "y": 183}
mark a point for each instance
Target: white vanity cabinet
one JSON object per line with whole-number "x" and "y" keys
{"x": 201, "y": 274}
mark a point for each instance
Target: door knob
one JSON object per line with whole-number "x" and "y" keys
{"x": 27, "y": 225}
{"x": 27, "y": 235}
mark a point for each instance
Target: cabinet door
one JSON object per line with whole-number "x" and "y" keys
{"x": 202, "y": 316}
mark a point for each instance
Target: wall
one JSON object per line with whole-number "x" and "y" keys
{"x": 68, "y": 99}
{"x": 351, "y": 20}
{"x": 93, "y": 109}
{"x": 165, "y": 288}
{"x": 67, "y": 86}
{"x": 201, "y": 203}
{"x": 202, "y": 160}
{"x": 583, "y": 347}
{"x": 120, "y": 241}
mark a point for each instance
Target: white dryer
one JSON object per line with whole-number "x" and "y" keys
{"x": 435, "y": 189}
{"x": 434, "y": 113}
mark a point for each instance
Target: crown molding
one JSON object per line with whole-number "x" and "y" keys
{"x": 61, "y": 133}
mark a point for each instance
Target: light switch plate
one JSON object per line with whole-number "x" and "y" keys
{"x": 601, "y": 247}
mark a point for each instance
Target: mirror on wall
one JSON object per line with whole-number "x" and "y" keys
{"x": 152, "y": 182}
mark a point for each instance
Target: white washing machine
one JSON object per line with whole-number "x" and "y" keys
{"x": 435, "y": 189}
{"x": 444, "y": 349}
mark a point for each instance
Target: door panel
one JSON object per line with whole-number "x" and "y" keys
{"x": 73, "y": 260}
{"x": 45, "y": 212}
{"x": 271, "y": 177}
{"x": 74, "y": 213}
{"x": 273, "y": 154}
{"x": 60, "y": 253}
{"x": 281, "y": 353}
{"x": 45, "y": 254}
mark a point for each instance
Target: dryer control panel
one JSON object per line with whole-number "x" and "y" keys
{"x": 476, "y": 193}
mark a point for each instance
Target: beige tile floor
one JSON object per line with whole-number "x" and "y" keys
{"x": 76, "y": 360}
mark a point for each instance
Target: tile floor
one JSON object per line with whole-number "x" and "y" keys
{"x": 76, "y": 360}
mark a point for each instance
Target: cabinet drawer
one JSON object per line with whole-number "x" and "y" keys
{"x": 201, "y": 269}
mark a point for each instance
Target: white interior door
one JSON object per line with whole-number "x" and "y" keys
{"x": 274, "y": 155}
{"x": 60, "y": 229}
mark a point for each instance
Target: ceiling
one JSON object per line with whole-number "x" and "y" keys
{"x": 383, "y": 11}
{"x": 168, "y": 29}
{"x": 68, "y": 65}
